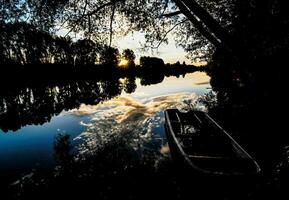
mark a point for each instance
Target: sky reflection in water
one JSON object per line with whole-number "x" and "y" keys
{"x": 90, "y": 126}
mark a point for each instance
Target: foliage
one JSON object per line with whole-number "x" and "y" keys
{"x": 63, "y": 151}
{"x": 23, "y": 44}
{"x": 109, "y": 56}
{"x": 249, "y": 28}
{"x": 129, "y": 56}
{"x": 129, "y": 85}
{"x": 84, "y": 52}
{"x": 151, "y": 63}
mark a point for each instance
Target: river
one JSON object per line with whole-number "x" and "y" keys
{"x": 31, "y": 118}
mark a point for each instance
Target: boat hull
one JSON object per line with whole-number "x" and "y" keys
{"x": 217, "y": 155}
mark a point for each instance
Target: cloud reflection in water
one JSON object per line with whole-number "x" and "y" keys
{"x": 118, "y": 116}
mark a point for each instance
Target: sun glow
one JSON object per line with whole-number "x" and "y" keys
{"x": 123, "y": 63}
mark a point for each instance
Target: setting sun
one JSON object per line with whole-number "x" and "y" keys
{"x": 123, "y": 63}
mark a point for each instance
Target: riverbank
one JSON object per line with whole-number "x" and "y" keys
{"x": 70, "y": 72}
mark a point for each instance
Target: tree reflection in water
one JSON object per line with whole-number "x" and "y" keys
{"x": 124, "y": 167}
{"x": 38, "y": 104}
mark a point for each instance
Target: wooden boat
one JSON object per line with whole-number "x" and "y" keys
{"x": 199, "y": 143}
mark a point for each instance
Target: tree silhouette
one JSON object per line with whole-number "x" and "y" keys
{"x": 84, "y": 52}
{"x": 109, "y": 56}
{"x": 63, "y": 155}
{"x": 129, "y": 56}
{"x": 244, "y": 30}
{"x": 129, "y": 85}
{"x": 151, "y": 63}
{"x": 22, "y": 43}
{"x": 62, "y": 51}
{"x": 243, "y": 39}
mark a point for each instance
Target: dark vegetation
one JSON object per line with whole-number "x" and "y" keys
{"x": 30, "y": 54}
{"x": 245, "y": 42}
{"x": 119, "y": 170}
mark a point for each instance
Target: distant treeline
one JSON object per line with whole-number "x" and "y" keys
{"x": 24, "y": 44}
{"x": 24, "y": 49}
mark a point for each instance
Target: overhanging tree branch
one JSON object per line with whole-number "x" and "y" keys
{"x": 91, "y": 13}
{"x": 170, "y": 30}
{"x": 198, "y": 24}
{"x": 111, "y": 24}
{"x": 171, "y": 14}
{"x": 165, "y": 7}
{"x": 210, "y": 22}
{"x": 212, "y": 30}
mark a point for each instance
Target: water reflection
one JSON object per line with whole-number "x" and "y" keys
{"x": 84, "y": 110}
{"x": 36, "y": 105}
{"x": 117, "y": 130}
{"x": 119, "y": 114}
{"x": 152, "y": 78}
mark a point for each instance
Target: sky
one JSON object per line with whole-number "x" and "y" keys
{"x": 170, "y": 53}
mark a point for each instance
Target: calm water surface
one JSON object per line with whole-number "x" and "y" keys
{"x": 90, "y": 125}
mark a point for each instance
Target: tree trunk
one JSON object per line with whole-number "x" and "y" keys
{"x": 211, "y": 29}
{"x": 199, "y": 25}
{"x": 209, "y": 21}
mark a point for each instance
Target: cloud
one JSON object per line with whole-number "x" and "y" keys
{"x": 125, "y": 114}
{"x": 203, "y": 83}
{"x": 125, "y": 109}
{"x": 165, "y": 149}
{"x": 83, "y": 110}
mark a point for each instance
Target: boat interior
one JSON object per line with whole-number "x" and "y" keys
{"x": 206, "y": 144}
